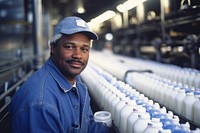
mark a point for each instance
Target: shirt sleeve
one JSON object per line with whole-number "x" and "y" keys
{"x": 37, "y": 119}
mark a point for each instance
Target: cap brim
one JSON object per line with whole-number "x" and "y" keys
{"x": 89, "y": 33}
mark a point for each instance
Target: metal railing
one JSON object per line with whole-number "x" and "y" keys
{"x": 8, "y": 92}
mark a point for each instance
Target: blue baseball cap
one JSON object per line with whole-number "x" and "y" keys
{"x": 72, "y": 25}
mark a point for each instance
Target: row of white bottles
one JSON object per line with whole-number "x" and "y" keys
{"x": 125, "y": 104}
{"x": 187, "y": 76}
{"x": 154, "y": 126}
{"x": 181, "y": 99}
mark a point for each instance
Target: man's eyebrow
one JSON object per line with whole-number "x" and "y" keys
{"x": 74, "y": 43}
{"x": 85, "y": 45}
{"x": 68, "y": 42}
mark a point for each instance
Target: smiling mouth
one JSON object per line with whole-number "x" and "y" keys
{"x": 76, "y": 64}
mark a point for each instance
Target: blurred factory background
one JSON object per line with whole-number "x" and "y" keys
{"x": 164, "y": 31}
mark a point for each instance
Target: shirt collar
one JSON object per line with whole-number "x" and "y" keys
{"x": 64, "y": 84}
{"x": 74, "y": 85}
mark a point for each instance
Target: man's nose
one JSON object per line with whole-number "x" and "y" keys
{"x": 77, "y": 54}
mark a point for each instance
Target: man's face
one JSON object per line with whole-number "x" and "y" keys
{"x": 71, "y": 54}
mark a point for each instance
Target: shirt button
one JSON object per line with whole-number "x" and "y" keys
{"x": 75, "y": 107}
{"x": 75, "y": 125}
{"x": 74, "y": 89}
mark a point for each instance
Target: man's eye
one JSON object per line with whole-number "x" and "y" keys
{"x": 85, "y": 50}
{"x": 69, "y": 47}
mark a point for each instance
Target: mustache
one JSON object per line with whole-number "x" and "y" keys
{"x": 74, "y": 60}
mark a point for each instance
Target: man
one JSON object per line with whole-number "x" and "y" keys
{"x": 54, "y": 99}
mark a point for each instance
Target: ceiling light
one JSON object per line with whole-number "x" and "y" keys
{"x": 79, "y": 6}
{"x": 81, "y": 10}
{"x": 103, "y": 17}
{"x": 129, "y": 4}
{"x": 109, "y": 36}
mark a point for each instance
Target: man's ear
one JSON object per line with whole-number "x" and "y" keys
{"x": 52, "y": 48}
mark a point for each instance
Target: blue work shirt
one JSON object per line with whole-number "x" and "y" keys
{"x": 48, "y": 103}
